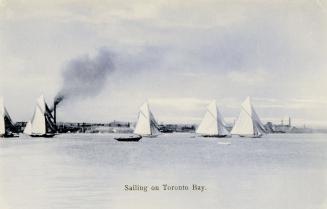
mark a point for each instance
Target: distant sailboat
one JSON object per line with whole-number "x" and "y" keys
{"x": 212, "y": 125}
{"x": 6, "y": 124}
{"x": 248, "y": 123}
{"x": 42, "y": 123}
{"x": 146, "y": 124}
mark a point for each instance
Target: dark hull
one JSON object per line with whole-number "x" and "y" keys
{"x": 251, "y": 136}
{"x": 128, "y": 139}
{"x": 43, "y": 135}
{"x": 215, "y": 136}
{"x": 150, "y": 136}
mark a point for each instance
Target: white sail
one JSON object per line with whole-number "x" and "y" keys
{"x": 28, "y": 128}
{"x": 222, "y": 130}
{"x": 248, "y": 122}
{"x": 146, "y": 124}
{"x": 2, "y": 119}
{"x": 212, "y": 123}
{"x": 41, "y": 122}
{"x": 5, "y": 120}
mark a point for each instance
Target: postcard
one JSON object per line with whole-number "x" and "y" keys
{"x": 139, "y": 104}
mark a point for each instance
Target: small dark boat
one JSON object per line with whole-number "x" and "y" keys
{"x": 215, "y": 136}
{"x": 130, "y": 138}
{"x": 47, "y": 135}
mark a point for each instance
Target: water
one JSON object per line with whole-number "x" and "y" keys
{"x": 91, "y": 171}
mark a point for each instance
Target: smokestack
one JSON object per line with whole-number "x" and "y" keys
{"x": 55, "y": 113}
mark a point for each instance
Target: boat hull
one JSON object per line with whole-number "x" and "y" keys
{"x": 215, "y": 136}
{"x": 251, "y": 136}
{"x": 128, "y": 139}
{"x": 149, "y": 136}
{"x": 43, "y": 135}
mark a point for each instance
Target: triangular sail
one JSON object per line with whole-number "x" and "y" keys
{"x": 212, "y": 123}
{"x": 42, "y": 122}
{"x": 222, "y": 130}
{"x": 248, "y": 122}
{"x": 146, "y": 124}
{"x": 28, "y": 128}
{"x": 2, "y": 121}
{"x": 258, "y": 124}
{"x": 38, "y": 120}
{"x": 6, "y": 124}
{"x": 143, "y": 125}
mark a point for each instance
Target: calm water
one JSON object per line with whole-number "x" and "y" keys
{"x": 90, "y": 172}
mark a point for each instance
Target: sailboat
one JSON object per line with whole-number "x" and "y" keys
{"x": 212, "y": 124}
{"x": 6, "y": 124}
{"x": 42, "y": 123}
{"x": 248, "y": 123}
{"x": 146, "y": 125}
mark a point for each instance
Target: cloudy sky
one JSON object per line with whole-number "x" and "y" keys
{"x": 179, "y": 55}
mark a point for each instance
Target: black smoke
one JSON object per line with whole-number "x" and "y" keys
{"x": 85, "y": 76}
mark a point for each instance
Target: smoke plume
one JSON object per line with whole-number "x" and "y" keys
{"x": 85, "y": 76}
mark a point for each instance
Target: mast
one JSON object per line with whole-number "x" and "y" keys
{"x": 55, "y": 112}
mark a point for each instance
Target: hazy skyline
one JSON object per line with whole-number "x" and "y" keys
{"x": 178, "y": 55}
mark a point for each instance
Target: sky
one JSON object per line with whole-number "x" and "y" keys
{"x": 178, "y": 55}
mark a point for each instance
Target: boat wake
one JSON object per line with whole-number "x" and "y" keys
{"x": 225, "y": 143}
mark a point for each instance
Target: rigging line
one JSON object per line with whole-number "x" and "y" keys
{"x": 247, "y": 111}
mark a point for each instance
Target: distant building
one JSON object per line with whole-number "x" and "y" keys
{"x": 282, "y": 128}
{"x": 169, "y": 128}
